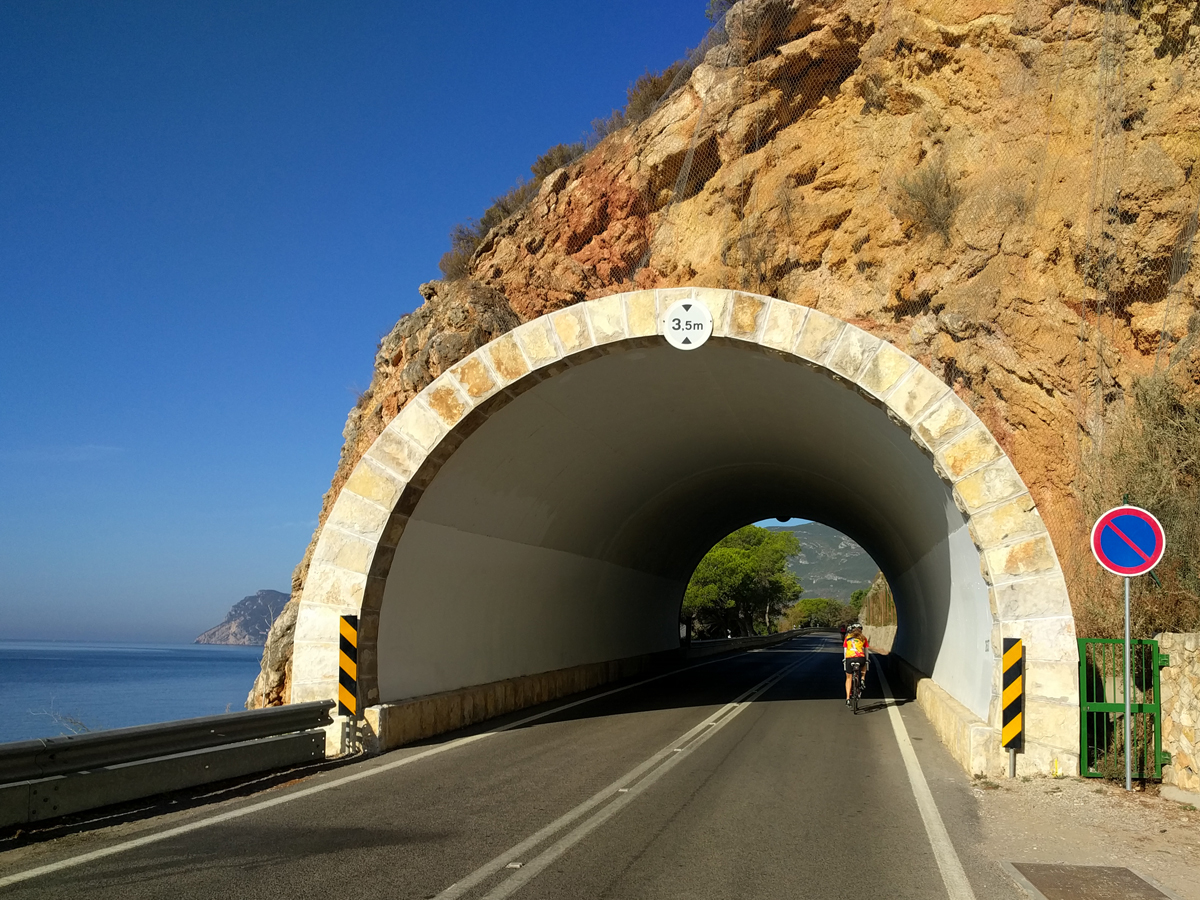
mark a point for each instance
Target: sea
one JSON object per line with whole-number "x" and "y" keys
{"x": 54, "y": 688}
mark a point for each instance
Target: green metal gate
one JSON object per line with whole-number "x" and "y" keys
{"x": 1102, "y": 708}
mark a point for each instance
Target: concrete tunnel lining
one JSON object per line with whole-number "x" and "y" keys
{"x": 564, "y": 530}
{"x": 579, "y": 457}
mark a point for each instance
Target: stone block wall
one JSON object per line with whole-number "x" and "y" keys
{"x": 1181, "y": 710}
{"x": 881, "y": 637}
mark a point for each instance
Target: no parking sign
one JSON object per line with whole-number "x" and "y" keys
{"x": 1128, "y": 541}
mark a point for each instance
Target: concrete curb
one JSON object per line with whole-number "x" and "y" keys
{"x": 1171, "y": 792}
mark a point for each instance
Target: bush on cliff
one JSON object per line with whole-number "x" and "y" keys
{"x": 466, "y": 237}
{"x": 930, "y": 197}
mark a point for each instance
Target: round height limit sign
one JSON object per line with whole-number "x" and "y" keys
{"x": 687, "y": 324}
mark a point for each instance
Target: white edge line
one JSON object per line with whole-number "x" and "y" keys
{"x": 958, "y": 887}
{"x": 134, "y": 844}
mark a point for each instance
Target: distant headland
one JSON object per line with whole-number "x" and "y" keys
{"x": 249, "y": 621}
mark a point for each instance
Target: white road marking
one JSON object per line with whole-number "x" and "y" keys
{"x": 953, "y": 875}
{"x": 146, "y": 840}
{"x": 623, "y": 795}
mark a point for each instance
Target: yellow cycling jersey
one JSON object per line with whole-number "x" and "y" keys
{"x": 855, "y": 647}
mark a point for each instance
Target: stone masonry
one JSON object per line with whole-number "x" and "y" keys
{"x": 1181, "y": 710}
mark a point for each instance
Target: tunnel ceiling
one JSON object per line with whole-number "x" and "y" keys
{"x": 645, "y": 458}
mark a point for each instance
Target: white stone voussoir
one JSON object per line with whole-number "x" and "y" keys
{"x": 607, "y": 318}
{"x": 784, "y": 321}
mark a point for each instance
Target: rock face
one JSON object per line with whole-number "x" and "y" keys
{"x": 1005, "y": 190}
{"x": 248, "y": 622}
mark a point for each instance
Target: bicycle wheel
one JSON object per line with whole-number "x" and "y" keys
{"x": 856, "y": 688}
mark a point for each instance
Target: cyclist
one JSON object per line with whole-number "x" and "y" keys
{"x": 854, "y": 653}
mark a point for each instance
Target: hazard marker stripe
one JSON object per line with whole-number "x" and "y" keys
{"x": 1012, "y": 730}
{"x": 1013, "y": 691}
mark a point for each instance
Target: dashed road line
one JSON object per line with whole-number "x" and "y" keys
{"x": 621, "y": 793}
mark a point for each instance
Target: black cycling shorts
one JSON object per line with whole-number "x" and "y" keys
{"x": 854, "y": 660}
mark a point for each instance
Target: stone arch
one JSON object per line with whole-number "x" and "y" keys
{"x": 993, "y": 574}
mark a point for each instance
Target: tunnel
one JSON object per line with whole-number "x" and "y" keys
{"x": 542, "y": 505}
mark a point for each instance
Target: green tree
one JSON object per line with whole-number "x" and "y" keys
{"x": 818, "y": 612}
{"x": 856, "y": 601}
{"x": 742, "y": 584}
{"x": 717, "y": 8}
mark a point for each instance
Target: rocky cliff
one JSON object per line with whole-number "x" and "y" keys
{"x": 1005, "y": 189}
{"x": 249, "y": 622}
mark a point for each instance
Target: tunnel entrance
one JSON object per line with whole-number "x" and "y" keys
{"x": 542, "y": 505}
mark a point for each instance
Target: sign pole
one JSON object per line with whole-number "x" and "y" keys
{"x": 1128, "y": 541}
{"x": 1128, "y": 757}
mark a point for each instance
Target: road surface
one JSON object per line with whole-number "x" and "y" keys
{"x": 740, "y": 777}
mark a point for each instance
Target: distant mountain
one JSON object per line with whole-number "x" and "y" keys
{"x": 249, "y": 620}
{"x": 830, "y": 564}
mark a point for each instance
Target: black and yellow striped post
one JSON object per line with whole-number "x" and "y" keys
{"x": 348, "y": 674}
{"x": 1012, "y": 734}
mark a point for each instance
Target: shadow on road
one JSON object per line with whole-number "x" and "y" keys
{"x": 819, "y": 677}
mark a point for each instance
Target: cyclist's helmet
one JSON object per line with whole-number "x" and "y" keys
{"x": 857, "y": 626}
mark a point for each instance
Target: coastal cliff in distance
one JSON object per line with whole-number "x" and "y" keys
{"x": 248, "y": 622}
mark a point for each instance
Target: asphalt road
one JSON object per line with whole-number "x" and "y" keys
{"x": 743, "y": 777}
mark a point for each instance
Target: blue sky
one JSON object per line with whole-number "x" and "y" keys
{"x": 212, "y": 212}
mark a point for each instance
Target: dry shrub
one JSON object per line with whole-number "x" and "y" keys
{"x": 1149, "y": 456}
{"x": 643, "y": 95}
{"x": 555, "y": 158}
{"x": 931, "y": 198}
{"x": 874, "y": 92}
{"x": 466, "y": 237}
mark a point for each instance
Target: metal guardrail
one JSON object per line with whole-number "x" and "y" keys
{"x": 29, "y": 760}
{"x": 714, "y": 646}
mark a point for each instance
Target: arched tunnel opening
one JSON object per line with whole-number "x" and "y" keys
{"x": 782, "y": 574}
{"x": 564, "y": 529}
{"x": 527, "y": 525}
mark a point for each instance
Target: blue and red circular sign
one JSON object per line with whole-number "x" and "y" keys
{"x": 1128, "y": 541}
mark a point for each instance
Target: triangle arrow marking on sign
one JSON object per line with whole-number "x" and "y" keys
{"x": 687, "y": 340}
{"x": 687, "y": 307}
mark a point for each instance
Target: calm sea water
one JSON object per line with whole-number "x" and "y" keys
{"x": 46, "y": 688}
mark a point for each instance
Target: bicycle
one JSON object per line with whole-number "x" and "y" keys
{"x": 857, "y": 684}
